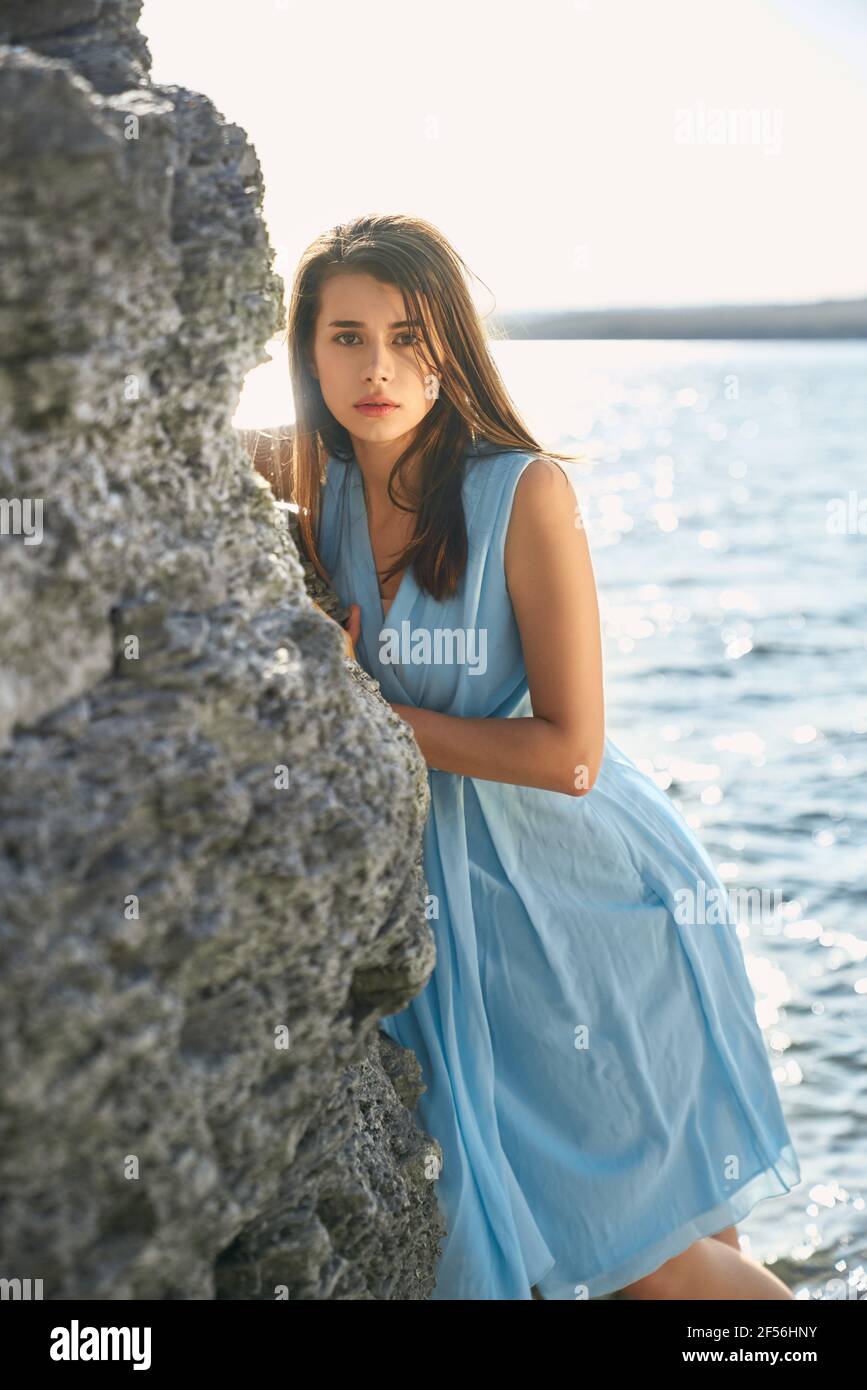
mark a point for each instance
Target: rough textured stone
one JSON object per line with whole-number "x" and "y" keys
{"x": 210, "y": 822}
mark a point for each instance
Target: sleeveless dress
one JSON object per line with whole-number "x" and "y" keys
{"x": 596, "y": 1075}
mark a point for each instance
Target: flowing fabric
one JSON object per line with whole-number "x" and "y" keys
{"x": 595, "y": 1072}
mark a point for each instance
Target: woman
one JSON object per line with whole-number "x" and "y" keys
{"x": 595, "y": 1072}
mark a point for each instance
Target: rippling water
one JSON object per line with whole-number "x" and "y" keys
{"x": 723, "y": 495}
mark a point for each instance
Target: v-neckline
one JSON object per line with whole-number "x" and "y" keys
{"x": 407, "y": 580}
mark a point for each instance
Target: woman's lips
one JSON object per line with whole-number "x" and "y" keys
{"x": 375, "y": 410}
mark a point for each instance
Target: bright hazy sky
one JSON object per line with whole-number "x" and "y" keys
{"x": 544, "y": 139}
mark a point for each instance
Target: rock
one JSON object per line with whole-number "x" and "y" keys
{"x": 210, "y": 822}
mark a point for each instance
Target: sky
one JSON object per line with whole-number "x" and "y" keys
{"x": 577, "y": 153}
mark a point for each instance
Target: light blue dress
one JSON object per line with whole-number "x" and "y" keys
{"x": 595, "y": 1072}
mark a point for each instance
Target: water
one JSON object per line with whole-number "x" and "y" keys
{"x": 735, "y": 647}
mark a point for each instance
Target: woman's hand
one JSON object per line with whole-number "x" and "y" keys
{"x": 352, "y": 630}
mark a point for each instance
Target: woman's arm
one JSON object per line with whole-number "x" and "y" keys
{"x": 550, "y": 579}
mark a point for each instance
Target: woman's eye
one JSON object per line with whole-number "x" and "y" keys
{"x": 413, "y": 338}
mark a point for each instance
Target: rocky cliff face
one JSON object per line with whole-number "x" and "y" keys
{"x": 210, "y": 822}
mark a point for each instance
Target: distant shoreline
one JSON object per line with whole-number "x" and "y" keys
{"x": 830, "y": 318}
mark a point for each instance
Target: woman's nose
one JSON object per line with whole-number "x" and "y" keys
{"x": 379, "y": 371}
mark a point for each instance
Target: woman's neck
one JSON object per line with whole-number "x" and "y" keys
{"x": 375, "y": 463}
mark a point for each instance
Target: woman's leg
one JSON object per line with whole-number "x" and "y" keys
{"x": 729, "y": 1236}
{"x": 711, "y": 1268}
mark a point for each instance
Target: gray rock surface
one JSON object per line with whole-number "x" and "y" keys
{"x": 210, "y": 821}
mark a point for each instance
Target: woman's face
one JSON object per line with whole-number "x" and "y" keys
{"x": 361, "y": 348}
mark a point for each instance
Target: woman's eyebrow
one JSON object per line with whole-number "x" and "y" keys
{"x": 358, "y": 323}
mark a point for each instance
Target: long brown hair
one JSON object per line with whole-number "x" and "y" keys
{"x": 472, "y": 404}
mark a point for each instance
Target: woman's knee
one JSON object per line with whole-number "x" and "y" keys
{"x": 729, "y": 1236}
{"x": 664, "y": 1282}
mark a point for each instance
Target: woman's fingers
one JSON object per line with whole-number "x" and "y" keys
{"x": 353, "y": 622}
{"x": 352, "y": 629}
